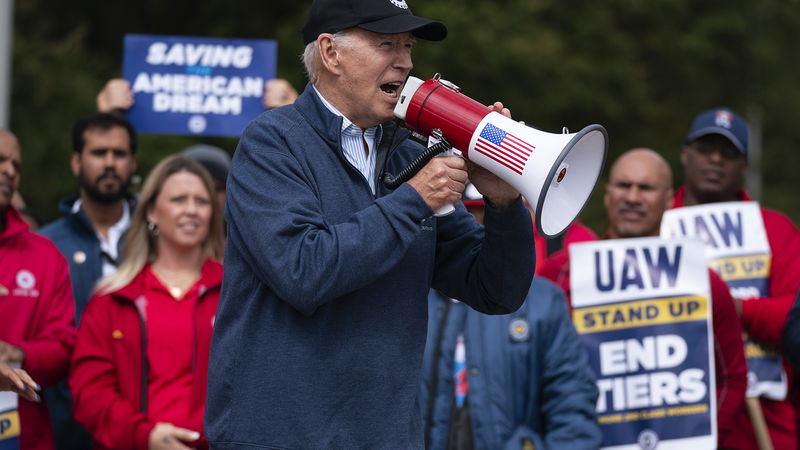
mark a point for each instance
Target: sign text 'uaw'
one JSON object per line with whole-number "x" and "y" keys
{"x": 641, "y": 308}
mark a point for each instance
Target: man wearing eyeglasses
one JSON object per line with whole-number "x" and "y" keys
{"x": 714, "y": 160}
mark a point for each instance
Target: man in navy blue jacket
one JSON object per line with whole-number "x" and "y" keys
{"x": 89, "y": 233}
{"x": 320, "y": 331}
{"x": 516, "y": 381}
{"x": 524, "y": 382}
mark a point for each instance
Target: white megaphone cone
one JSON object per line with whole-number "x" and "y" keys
{"x": 554, "y": 172}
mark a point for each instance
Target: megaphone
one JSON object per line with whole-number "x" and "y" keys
{"x": 555, "y": 172}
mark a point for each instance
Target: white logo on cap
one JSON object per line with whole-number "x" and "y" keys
{"x": 400, "y": 3}
{"x": 723, "y": 119}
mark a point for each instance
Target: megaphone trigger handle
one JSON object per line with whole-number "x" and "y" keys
{"x": 435, "y": 138}
{"x": 444, "y": 210}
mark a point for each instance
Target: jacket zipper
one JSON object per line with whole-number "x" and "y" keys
{"x": 145, "y": 365}
{"x": 434, "y": 384}
{"x": 392, "y": 146}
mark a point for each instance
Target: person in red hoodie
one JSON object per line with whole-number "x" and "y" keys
{"x": 37, "y": 311}
{"x": 139, "y": 370}
{"x": 714, "y": 160}
{"x": 638, "y": 192}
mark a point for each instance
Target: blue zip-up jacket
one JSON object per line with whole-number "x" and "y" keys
{"x": 527, "y": 372}
{"x": 77, "y": 240}
{"x": 321, "y": 325}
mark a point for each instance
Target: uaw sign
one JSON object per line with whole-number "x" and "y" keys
{"x": 738, "y": 250}
{"x": 9, "y": 421}
{"x": 196, "y": 86}
{"x": 641, "y": 308}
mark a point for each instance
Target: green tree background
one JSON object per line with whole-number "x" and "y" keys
{"x": 642, "y": 68}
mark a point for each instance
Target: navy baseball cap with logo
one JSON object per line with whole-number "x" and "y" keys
{"x": 378, "y": 16}
{"x": 721, "y": 121}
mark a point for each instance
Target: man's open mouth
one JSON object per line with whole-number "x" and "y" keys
{"x": 391, "y": 89}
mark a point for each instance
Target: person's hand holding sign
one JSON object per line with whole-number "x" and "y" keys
{"x": 278, "y": 92}
{"x": 115, "y": 96}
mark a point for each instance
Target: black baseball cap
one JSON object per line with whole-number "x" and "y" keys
{"x": 378, "y": 16}
{"x": 215, "y": 160}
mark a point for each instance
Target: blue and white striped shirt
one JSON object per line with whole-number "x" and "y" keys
{"x": 353, "y": 139}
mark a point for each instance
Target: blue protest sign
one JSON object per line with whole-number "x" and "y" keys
{"x": 737, "y": 249}
{"x": 641, "y": 308}
{"x": 196, "y": 86}
{"x": 9, "y": 421}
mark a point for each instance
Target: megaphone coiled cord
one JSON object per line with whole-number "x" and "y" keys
{"x": 394, "y": 181}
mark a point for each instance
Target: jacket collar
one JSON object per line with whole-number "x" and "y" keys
{"x": 15, "y": 224}
{"x": 210, "y": 275}
{"x": 329, "y": 125}
{"x": 66, "y": 204}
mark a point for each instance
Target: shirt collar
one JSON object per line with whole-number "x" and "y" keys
{"x": 123, "y": 222}
{"x": 347, "y": 125}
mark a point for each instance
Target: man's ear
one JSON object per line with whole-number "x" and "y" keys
{"x": 75, "y": 163}
{"x": 670, "y": 200}
{"x": 684, "y": 155}
{"x": 328, "y": 53}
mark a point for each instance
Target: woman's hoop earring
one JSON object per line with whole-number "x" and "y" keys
{"x": 152, "y": 228}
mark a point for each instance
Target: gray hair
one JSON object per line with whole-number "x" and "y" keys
{"x": 310, "y": 57}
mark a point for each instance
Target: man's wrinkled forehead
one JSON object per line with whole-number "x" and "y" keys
{"x": 644, "y": 165}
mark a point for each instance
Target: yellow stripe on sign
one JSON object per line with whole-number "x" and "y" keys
{"x": 647, "y": 414}
{"x": 742, "y": 267}
{"x": 9, "y": 425}
{"x": 659, "y": 311}
{"x": 756, "y": 350}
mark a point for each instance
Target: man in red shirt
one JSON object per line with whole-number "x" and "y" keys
{"x": 638, "y": 192}
{"x": 714, "y": 159}
{"x": 36, "y": 306}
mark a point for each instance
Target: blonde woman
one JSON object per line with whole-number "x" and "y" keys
{"x": 138, "y": 373}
